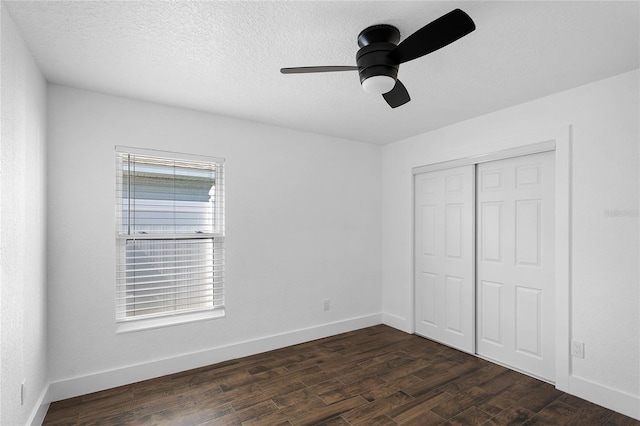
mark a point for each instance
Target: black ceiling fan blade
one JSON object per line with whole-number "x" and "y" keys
{"x": 397, "y": 96}
{"x": 303, "y": 70}
{"x": 433, "y": 36}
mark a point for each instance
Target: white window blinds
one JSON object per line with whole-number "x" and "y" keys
{"x": 170, "y": 234}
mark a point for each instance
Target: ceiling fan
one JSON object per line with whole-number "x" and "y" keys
{"x": 380, "y": 55}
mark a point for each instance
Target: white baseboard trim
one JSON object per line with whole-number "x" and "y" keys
{"x": 610, "y": 398}
{"x": 397, "y": 322}
{"x": 95, "y": 382}
{"x": 41, "y": 407}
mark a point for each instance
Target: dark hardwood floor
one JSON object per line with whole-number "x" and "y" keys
{"x": 373, "y": 376}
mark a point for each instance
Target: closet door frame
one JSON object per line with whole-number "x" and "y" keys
{"x": 555, "y": 139}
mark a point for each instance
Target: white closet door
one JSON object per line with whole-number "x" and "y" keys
{"x": 444, "y": 256}
{"x": 515, "y": 263}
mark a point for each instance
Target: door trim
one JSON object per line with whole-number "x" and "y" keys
{"x": 556, "y": 139}
{"x": 519, "y": 151}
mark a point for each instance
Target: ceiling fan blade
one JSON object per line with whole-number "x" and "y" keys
{"x": 433, "y": 36}
{"x": 302, "y": 70}
{"x": 397, "y": 96}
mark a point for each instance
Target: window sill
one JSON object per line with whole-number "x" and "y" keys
{"x": 151, "y": 323}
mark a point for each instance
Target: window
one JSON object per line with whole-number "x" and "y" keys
{"x": 169, "y": 236}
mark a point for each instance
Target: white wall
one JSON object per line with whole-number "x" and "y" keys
{"x": 22, "y": 228}
{"x": 605, "y": 301}
{"x": 302, "y": 225}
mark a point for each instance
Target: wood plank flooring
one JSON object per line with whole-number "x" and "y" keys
{"x": 374, "y": 376}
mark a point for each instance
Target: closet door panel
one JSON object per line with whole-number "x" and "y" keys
{"x": 444, "y": 256}
{"x": 515, "y": 263}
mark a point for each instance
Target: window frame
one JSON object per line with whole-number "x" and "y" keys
{"x": 217, "y": 237}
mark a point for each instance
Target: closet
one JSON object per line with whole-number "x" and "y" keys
{"x": 484, "y": 259}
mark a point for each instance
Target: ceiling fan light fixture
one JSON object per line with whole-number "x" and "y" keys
{"x": 380, "y": 55}
{"x": 378, "y": 84}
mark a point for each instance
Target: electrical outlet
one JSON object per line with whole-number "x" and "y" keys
{"x": 577, "y": 349}
{"x": 22, "y": 391}
{"x": 327, "y": 304}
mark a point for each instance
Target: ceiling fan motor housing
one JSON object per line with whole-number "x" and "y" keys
{"x": 373, "y": 57}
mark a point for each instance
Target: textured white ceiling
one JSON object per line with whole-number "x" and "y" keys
{"x": 224, "y": 57}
